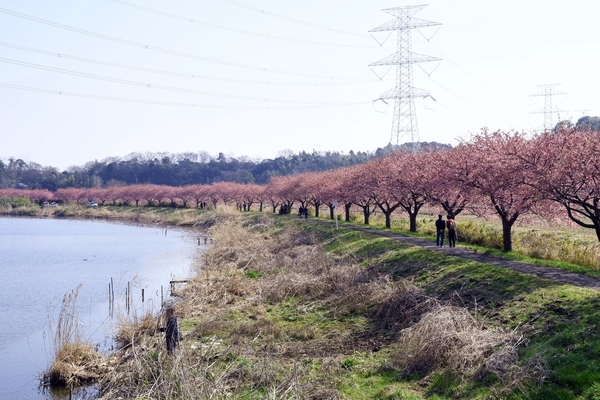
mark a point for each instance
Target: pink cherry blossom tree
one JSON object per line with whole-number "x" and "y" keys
{"x": 357, "y": 189}
{"x": 565, "y": 167}
{"x": 378, "y": 181}
{"x": 339, "y": 189}
{"x": 285, "y": 189}
{"x": 409, "y": 180}
{"x": 442, "y": 186}
{"x": 487, "y": 165}
{"x": 251, "y": 194}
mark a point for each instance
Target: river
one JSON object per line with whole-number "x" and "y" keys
{"x": 41, "y": 260}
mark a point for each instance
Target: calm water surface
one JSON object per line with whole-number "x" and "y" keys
{"x": 43, "y": 259}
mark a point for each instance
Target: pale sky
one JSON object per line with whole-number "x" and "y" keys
{"x": 269, "y": 71}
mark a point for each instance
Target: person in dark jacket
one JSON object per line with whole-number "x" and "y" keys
{"x": 440, "y": 227}
{"x": 171, "y": 331}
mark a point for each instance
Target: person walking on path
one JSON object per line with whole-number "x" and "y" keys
{"x": 440, "y": 227}
{"x": 171, "y": 331}
{"x": 451, "y": 225}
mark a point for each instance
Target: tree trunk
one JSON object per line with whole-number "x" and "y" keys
{"x": 331, "y": 211}
{"x": 413, "y": 221}
{"x": 388, "y": 218}
{"x": 387, "y": 211}
{"x": 366, "y": 213}
{"x": 450, "y": 210}
{"x": 347, "y": 207}
{"x": 506, "y": 233}
{"x": 261, "y": 207}
{"x": 288, "y": 206}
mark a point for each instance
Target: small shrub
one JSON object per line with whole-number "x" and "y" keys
{"x": 253, "y": 274}
{"x": 592, "y": 393}
{"x": 16, "y": 202}
{"x": 478, "y": 234}
{"x": 348, "y": 363}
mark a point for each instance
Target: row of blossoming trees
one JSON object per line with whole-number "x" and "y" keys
{"x": 506, "y": 174}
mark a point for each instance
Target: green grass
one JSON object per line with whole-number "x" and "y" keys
{"x": 573, "y": 250}
{"x": 367, "y": 380}
{"x": 560, "y": 322}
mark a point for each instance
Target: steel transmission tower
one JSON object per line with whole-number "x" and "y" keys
{"x": 547, "y": 92}
{"x": 404, "y": 94}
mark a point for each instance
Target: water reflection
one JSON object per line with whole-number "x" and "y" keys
{"x": 82, "y": 393}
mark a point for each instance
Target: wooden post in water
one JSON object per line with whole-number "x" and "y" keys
{"x": 109, "y": 302}
{"x": 112, "y": 296}
{"x": 127, "y": 294}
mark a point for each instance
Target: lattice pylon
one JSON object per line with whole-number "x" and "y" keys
{"x": 404, "y": 94}
{"x": 547, "y": 92}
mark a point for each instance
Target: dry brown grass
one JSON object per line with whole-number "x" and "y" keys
{"x": 447, "y": 337}
{"x": 400, "y": 305}
{"x": 451, "y": 339}
{"x": 76, "y": 362}
{"x": 131, "y": 333}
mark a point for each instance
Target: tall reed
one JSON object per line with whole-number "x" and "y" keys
{"x": 75, "y": 361}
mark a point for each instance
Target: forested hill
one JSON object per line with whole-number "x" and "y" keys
{"x": 182, "y": 169}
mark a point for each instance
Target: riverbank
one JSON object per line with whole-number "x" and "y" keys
{"x": 283, "y": 308}
{"x": 163, "y": 216}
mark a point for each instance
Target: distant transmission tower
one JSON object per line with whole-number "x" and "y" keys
{"x": 404, "y": 94}
{"x": 547, "y": 92}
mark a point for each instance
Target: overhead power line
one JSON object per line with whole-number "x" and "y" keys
{"x": 230, "y": 29}
{"x": 297, "y": 21}
{"x": 180, "y": 74}
{"x": 169, "y": 88}
{"x": 163, "y": 50}
{"x": 470, "y": 102}
{"x": 153, "y": 102}
{"x": 474, "y": 78}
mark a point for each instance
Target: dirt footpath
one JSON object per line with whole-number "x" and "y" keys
{"x": 557, "y": 275}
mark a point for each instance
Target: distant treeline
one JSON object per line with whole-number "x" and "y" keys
{"x": 183, "y": 169}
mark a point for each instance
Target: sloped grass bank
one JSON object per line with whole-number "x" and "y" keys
{"x": 558, "y": 322}
{"x": 287, "y": 309}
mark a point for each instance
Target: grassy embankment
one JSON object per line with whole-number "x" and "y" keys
{"x": 165, "y": 216}
{"x": 286, "y": 309}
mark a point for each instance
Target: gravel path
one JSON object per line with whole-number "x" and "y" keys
{"x": 557, "y": 275}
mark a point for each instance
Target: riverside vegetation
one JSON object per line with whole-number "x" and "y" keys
{"x": 282, "y": 308}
